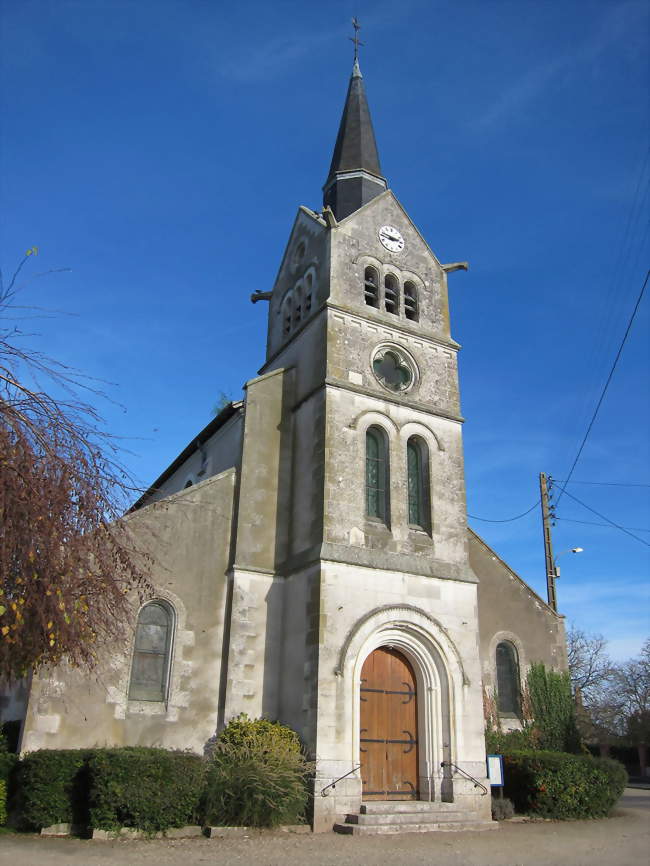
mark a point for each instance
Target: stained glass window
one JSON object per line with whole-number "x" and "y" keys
{"x": 151, "y": 655}
{"x": 418, "y": 483}
{"x": 508, "y": 696}
{"x": 376, "y": 473}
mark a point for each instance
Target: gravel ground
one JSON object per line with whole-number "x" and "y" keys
{"x": 622, "y": 840}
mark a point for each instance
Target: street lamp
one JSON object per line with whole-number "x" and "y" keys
{"x": 556, "y": 567}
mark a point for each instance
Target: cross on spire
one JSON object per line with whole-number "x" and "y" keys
{"x": 355, "y": 38}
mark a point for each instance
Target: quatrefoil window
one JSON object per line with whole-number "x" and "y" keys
{"x": 392, "y": 369}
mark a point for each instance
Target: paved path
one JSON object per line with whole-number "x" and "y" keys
{"x": 622, "y": 840}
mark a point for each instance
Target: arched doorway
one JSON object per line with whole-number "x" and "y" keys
{"x": 388, "y": 727}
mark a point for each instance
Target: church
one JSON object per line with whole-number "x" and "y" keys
{"x": 310, "y": 551}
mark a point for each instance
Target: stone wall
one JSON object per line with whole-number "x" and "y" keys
{"x": 188, "y": 536}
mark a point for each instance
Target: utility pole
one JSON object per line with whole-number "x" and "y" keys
{"x": 548, "y": 543}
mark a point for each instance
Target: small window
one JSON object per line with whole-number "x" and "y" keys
{"x": 297, "y": 304}
{"x": 391, "y": 294}
{"x": 286, "y": 316}
{"x": 309, "y": 285}
{"x": 371, "y": 287}
{"x": 377, "y": 474}
{"x": 417, "y": 460}
{"x": 508, "y": 693}
{"x": 188, "y": 483}
{"x": 411, "y": 301}
{"x": 150, "y": 668}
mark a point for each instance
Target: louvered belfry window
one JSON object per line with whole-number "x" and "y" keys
{"x": 371, "y": 287}
{"x": 150, "y": 668}
{"x": 376, "y": 474}
{"x": 411, "y": 301}
{"x": 508, "y": 693}
{"x": 391, "y": 294}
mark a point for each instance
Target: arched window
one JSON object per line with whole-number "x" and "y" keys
{"x": 508, "y": 693}
{"x": 309, "y": 285}
{"x": 377, "y": 474}
{"x": 411, "y": 301}
{"x": 417, "y": 464}
{"x": 371, "y": 287}
{"x": 153, "y": 640}
{"x": 391, "y": 294}
{"x": 297, "y": 305}
{"x": 286, "y": 316}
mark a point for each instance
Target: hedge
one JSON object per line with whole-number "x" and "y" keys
{"x": 149, "y": 789}
{"x": 560, "y": 785}
{"x": 52, "y": 788}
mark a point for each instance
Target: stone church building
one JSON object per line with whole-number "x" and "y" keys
{"x": 311, "y": 554}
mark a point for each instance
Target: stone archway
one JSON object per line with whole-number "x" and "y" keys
{"x": 439, "y": 678}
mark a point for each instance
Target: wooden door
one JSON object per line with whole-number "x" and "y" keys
{"x": 389, "y": 741}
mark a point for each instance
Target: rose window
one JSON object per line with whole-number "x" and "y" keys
{"x": 393, "y": 369}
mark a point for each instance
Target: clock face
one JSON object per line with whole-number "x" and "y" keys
{"x": 391, "y": 239}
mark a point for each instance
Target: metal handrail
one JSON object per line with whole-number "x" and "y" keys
{"x": 333, "y": 784}
{"x": 477, "y": 784}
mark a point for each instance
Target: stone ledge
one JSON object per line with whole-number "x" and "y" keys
{"x": 223, "y": 832}
{"x": 130, "y": 833}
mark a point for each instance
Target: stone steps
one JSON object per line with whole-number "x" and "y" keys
{"x": 410, "y": 817}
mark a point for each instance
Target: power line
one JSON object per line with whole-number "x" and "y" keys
{"x": 603, "y": 483}
{"x": 592, "y": 523}
{"x": 614, "y": 302}
{"x": 604, "y": 391}
{"x": 611, "y": 522}
{"x": 508, "y": 519}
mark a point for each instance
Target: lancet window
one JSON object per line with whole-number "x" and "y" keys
{"x": 377, "y": 474}
{"x": 508, "y": 691}
{"x": 391, "y": 294}
{"x": 411, "y": 301}
{"x": 371, "y": 287}
{"x": 417, "y": 460}
{"x": 151, "y": 656}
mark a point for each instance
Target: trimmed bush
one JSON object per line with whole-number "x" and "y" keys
{"x": 257, "y": 776}
{"x": 3, "y": 803}
{"x": 52, "y": 788}
{"x": 7, "y": 762}
{"x": 148, "y": 789}
{"x": 560, "y": 785}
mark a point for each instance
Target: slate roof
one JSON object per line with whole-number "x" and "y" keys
{"x": 355, "y": 146}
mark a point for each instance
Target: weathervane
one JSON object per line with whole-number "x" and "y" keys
{"x": 355, "y": 38}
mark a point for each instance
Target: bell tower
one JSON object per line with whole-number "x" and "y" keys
{"x": 375, "y": 551}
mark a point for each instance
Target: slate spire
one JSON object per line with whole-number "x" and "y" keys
{"x": 355, "y": 174}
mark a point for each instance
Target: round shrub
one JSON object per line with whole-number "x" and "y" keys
{"x": 560, "y": 785}
{"x": 256, "y": 776}
{"x": 255, "y": 731}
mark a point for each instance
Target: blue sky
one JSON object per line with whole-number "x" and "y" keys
{"x": 160, "y": 150}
